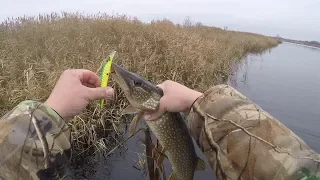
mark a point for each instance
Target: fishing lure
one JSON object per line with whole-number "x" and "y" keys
{"x": 104, "y": 76}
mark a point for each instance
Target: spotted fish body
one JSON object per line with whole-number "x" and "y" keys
{"x": 173, "y": 135}
{"x": 170, "y": 129}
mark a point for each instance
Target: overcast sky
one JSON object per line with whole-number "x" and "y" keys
{"x": 296, "y": 19}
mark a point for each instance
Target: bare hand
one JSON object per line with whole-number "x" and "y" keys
{"x": 176, "y": 98}
{"x": 74, "y": 90}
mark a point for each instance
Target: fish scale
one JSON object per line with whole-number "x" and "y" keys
{"x": 181, "y": 155}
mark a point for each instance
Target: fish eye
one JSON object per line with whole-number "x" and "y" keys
{"x": 137, "y": 83}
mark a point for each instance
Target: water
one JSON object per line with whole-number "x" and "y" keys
{"x": 285, "y": 82}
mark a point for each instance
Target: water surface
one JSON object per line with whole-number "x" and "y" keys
{"x": 286, "y": 83}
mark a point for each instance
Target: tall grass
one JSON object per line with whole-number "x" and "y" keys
{"x": 35, "y": 50}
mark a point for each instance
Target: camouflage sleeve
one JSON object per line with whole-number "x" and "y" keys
{"x": 242, "y": 141}
{"x": 34, "y": 143}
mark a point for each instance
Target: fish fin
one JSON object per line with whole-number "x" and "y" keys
{"x": 129, "y": 110}
{"x": 143, "y": 141}
{"x": 159, "y": 157}
{"x": 157, "y": 173}
{"x": 201, "y": 165}
{"x": 173, "y": 177}
{"x": 159, "y": 146}
{"x": 159, "y": 154}
{"x": 134, "y": 123}
{"x": 163, "y": 172}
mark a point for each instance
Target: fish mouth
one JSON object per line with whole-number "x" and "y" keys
{"x": 122, "y": 77}
{"x": 127, "y": 80}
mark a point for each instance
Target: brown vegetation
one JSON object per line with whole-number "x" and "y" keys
{"x": 35, "y": 50}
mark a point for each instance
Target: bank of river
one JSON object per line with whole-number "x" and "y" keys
{"x": 284, "y": 81}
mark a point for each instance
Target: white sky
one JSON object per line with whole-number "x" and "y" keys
{"x": 296, "y": 19}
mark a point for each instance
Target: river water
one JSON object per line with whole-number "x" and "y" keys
{"x": 284, "y": 81}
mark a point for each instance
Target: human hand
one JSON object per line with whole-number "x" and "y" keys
{"x": 74, "y": 90}
{"x": 176, "y": 98}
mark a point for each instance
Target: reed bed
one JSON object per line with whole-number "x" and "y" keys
{"x": 34, "y": 51}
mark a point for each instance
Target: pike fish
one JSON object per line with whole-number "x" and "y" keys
{"x": 170, "y": 129}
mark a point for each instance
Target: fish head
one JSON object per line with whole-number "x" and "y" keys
{"x": 140, "y": 93}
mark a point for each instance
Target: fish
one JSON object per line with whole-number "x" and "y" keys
{"x": 170, "y": 129}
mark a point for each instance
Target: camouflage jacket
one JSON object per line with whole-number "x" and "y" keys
{"x": 34, "y": 143}
{"x": 241, "y": 141}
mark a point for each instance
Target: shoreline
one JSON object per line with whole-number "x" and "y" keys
{"x": 315, "y": 44}
{"x": 299, "y": 44}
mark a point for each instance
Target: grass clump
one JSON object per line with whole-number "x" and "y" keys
{"x": 34, "y": 51}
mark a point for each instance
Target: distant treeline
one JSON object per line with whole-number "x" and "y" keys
{"x": 308, "y": 43}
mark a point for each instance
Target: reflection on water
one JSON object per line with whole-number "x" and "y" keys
{"x": 286, "y": 83}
